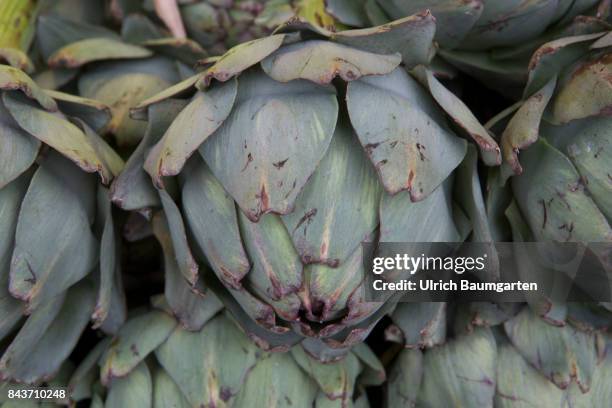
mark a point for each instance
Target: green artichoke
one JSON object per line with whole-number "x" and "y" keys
{"x": 504, "y": 356}
{"x": 491, "y": 40}
{"x": 58, "y": 246}
{"x": 155, "y": 361}
{"x": 557, "y": 145}
{"x": 120, "y": 70}
{"x": 322, "y": 144}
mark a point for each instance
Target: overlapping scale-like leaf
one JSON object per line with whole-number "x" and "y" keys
{"x": 48, "y": 336}
{"x": 408, "y": 146}
{"x": 271, "y": 143}
{"x": 42, "y": 266}
{"x": 209, "y": 366}
{"x": 240, "y": 58}
{"x": 321, "y": 61}
{"x": 561, "y": 354}
{"x": 53, "y": 129}
{"x": 193, "y": 125}
{"x": 191, "y": 309}
{"x": 462, "y": 372}
{"x": 19, "y": 149}
{"x": 277, "y": 270}
{"x": 338, "y": 207}
{"x": 89, "y": 50}
{"x": 454, "y": 18}
{"x": 211, "y": 215}
{"x": 553, "y": 200}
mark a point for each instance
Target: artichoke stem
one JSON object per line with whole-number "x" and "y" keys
{"x": 17, "y": 23}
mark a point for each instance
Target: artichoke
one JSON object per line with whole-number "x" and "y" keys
{"x": 322, "y": 144}
{"x": 491, "y": 40}
{"x": 504, "y": 356}
{"x": 220, "y": 25}
{"x": 556, "y": 147}
{"x": 155, "y": 361}
{"x": 58, "y": 246}
{"x": 118, "y": 70}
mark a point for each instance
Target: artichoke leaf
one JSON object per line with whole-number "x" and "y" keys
{"x": 460, "y": 113}
{"x": 10, "y": 199}
{"x": 277, "y": 270}
{"x": 269, "y": 146}
{"x": 349, "y": 12}
{"x": 133, "y": 189}
{"x": 186, "y": 262}
{"x": 56, "y": 131}
{"x": 603, "y": 42}
{"x": 405, "y": 140}
{"x": 134, "y": 342}
{"x": 585, "y": 90}
{"x": 17, "y": 58}
{"x": 285, "y": 384}
{"x": 548, "y": 60}
{"x": 460, "y": 373}
{"x": 110, "y": 266}
{"x": 191, "y": 309}
{"x": 89, "y": 50}
{"x": 405, "y": 378}
{"x": 166, "y": 393}
{"x": 58, "y": 203}
{"x": 411, "y": 36}
{"x": 561, "y": 354}
{"x": 95, "y": 113}
{"x": 186, "y": 86}
{"x": 211, "y": 216}
{"x": 519, "y": 385}
{"x": 86, "y": 373}
{"x": 524, "y": 127}
{"x": 322, "y": 61}
{"x": 331, "y": 288}
{"x": 14, "y": 79}
{"x": 135, "y": 389}
{"x": 120, "y": 92}
{"x": 454, "y": 18}
{"x": 471, "y": 198}
{"x": 588, "y": 144}
{"x": 430, "y": 220}
{"x": 553, "y": 199}
{"x": 505, "y": 23}
{"x": 240, "y": 58}
{"x": 183, "y": 49}
{"x": 336, "y": 379}
{"x": 422, "y": 324}
{"x": 193, "y": 125}
{"x": 338, "y": 207}
{"x": 19, "y": 150}
{"x": 209, "y": 366}
{"x": 48, "y": 337}
{"x": 54, "y": 32}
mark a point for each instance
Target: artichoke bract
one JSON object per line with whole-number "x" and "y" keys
{"x": 16, "y": 32}
{"x": 492, "y": 40}
{"x": 506, "y": 356}
{"x": 120, "y": 70}
{"x": 59, "y": 263}
{"x": 557, "y": 144}
{"x": 157, "y": 362}
{"x": 294, "y": 150}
